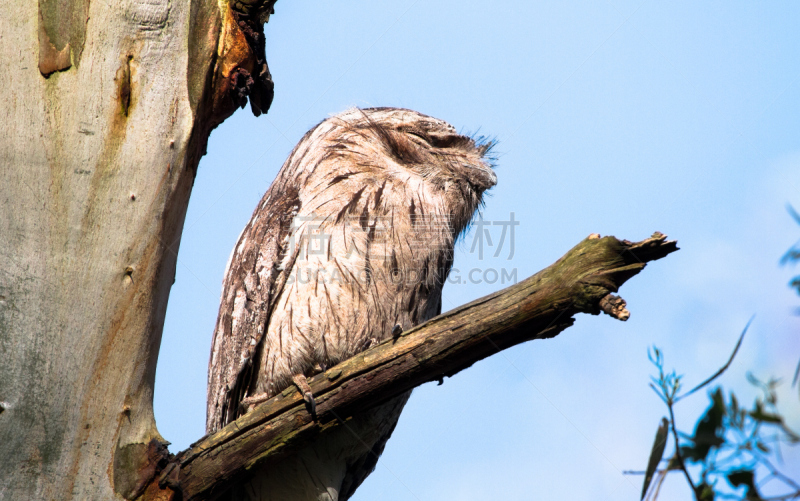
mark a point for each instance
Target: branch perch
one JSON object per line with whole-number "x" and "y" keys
{"x": 539, "y": 307}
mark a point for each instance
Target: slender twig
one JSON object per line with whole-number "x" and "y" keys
{"x": 781, "y": 476}
{"x": 741, "y": 450}
{"x": 657, "y": 489}
{"x": 723, "y": 368}
{"x": 678, "y": 450}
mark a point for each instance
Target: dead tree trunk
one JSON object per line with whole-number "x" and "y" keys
{"x": 107, "y": 106}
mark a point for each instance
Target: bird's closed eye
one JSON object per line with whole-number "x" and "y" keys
{"x": 448, "y": 140}
{"x": 440, "y": 139}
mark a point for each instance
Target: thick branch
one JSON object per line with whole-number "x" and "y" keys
{"x": 539, "y": 307}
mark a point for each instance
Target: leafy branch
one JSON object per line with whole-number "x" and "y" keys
{"x": 733, "y": 447}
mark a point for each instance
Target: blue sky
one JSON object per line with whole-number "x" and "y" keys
{"x": 615, "y": 117}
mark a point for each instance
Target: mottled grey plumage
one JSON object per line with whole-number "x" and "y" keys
{"x": 353, "y": 238}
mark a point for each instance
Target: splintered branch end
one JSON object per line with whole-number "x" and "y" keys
{"x": 615, "y": 306}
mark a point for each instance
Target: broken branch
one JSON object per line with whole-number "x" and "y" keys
{"x": 539, "y": 307}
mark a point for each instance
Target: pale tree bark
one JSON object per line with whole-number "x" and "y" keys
{"x": 108, "y": 107}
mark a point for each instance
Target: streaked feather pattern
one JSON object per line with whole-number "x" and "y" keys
{"x": 354, "y": 236}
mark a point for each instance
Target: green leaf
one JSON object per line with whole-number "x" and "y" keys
{"x": 736, "y": 413}
{"x": 656, "y": 453}
{"x": 708, "y": 431}
{"x": 793, "y": 437}
{"x": 740, "y": 477}
{"x": 673, "y": 463}
{"x": 793, "y": 213}
{"x": 705, "y": 492}
{"x": 759, "y": 414}
{"x": 723, "y": 368}
{"x": 744, "y": 477}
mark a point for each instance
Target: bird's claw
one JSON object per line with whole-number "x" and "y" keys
{"x": 301, "y": 382}
{"x": 255, "y": 399}
{"x": 311, "y": 403}
{"x": 396, "y": 331}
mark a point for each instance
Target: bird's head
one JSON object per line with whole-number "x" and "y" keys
{"x": 406, "y": 143}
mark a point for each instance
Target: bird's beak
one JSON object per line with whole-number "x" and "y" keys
{"x": 481, "y": 178}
